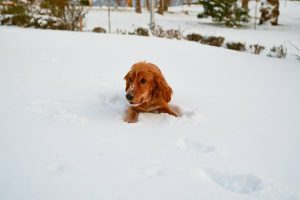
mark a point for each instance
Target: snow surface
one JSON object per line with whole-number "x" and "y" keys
{"x": 62, "y": 134}
{"x": 62, "y": 99}
{"x": 184, "y": 18}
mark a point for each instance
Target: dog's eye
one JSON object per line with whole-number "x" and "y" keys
{"x": 130, "y": 80}
{"x": 143, "y": 81}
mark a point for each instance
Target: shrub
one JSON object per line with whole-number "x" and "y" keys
{"x": 99, "y": 30}
{"x": 194, "y": 37}
{"x": 277, "y": 52}
{"x": 13, "y": 9}
{"x": 173, "y": 33}
{"x": 201, "y": 15}
{"x": 52, "y": 14}
{"x": 237, "y": 46}
{"x": 141, "y": 31}
{"x": 213, "y": 41}
{"x": 6, "y": 21}
{"x": 21, "y": 20}
{"x": 158, "y": 31}
{"x": 256, "y": 48}
{"x": 170, "y": 34}
{"x": 15, "y": 14}
{"x": 84, "y": 2}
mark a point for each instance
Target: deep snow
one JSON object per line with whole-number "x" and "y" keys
{"x": 62, "y": 134}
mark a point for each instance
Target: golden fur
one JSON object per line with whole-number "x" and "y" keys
{"x": 147, "y": 91}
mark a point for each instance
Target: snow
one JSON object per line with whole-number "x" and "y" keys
{"x": 62, "y": 99}
{"x": 288, "y": 30}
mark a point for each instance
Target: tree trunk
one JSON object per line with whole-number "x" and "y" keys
{"x": 160, "y": 7}
{"x": 163, "y": 6}
{"x": 189, "y": 2}
{"x": 147, "y": 5}
{"x": 138, "y": 8}
{"x": 245, "y": 4}
{"x": 129, "y": 3}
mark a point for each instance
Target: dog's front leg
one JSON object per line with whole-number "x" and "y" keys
{"x": 171, "y": 110}
{"x": 131, "y": 115}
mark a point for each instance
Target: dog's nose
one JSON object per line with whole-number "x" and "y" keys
{"x": 129, "y": 96}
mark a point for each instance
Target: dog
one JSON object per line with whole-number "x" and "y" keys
{"x": 147, "y": 91}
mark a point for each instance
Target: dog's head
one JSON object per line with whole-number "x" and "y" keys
{"x": 145, "y": 83}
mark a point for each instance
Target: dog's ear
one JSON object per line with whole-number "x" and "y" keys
{"x": 163, "y": 87}
{"x": 127, "y": 81}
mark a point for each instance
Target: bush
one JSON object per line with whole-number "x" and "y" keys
{"x": 213, "y": 41}
{"x": 99, "y": 30}
{"x": 201, "y": 15}
{"x": 6, "y": 21}
{"x": 138, "y": 31}
{"x": 84, "y": 2}
{"x": 237, "y": 46}
{"x": 277, "y": 52}
{"x": 256, "y": 48}
{"x": 20, "y": 20}
{"x": 173, "y": 33}
{"x": 17, "y": 9}
{"x": 158, "y": 32}
{"x": 141, "y": 31}
{"x": 52, "y": 14}
{"x": 194, "y": 37}
{"x": 15, "y": 14}
{"x": 170, "y": 34}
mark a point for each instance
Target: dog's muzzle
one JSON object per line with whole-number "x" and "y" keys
{"x": 129, "y": 96}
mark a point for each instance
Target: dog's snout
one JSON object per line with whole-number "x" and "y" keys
{"x": 129, "y": 96}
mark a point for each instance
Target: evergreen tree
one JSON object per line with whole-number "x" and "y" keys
{"x": 224, "y": 11}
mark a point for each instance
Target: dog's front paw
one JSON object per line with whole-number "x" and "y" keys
{"x": 130, "y": 120}
{"x": 131, "y": 116}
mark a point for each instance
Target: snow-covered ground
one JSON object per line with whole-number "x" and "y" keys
{"x": 62, "y": 134}
{"x": 286, "y": 33}
{"x": 62, "y": 137}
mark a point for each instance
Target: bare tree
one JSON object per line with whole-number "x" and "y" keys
{"x": 73, "y": 16}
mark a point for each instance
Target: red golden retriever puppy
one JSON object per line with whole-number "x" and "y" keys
{"x": 147, "y": 91}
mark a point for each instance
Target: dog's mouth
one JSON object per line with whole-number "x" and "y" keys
{"x": 136, "y": 104}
